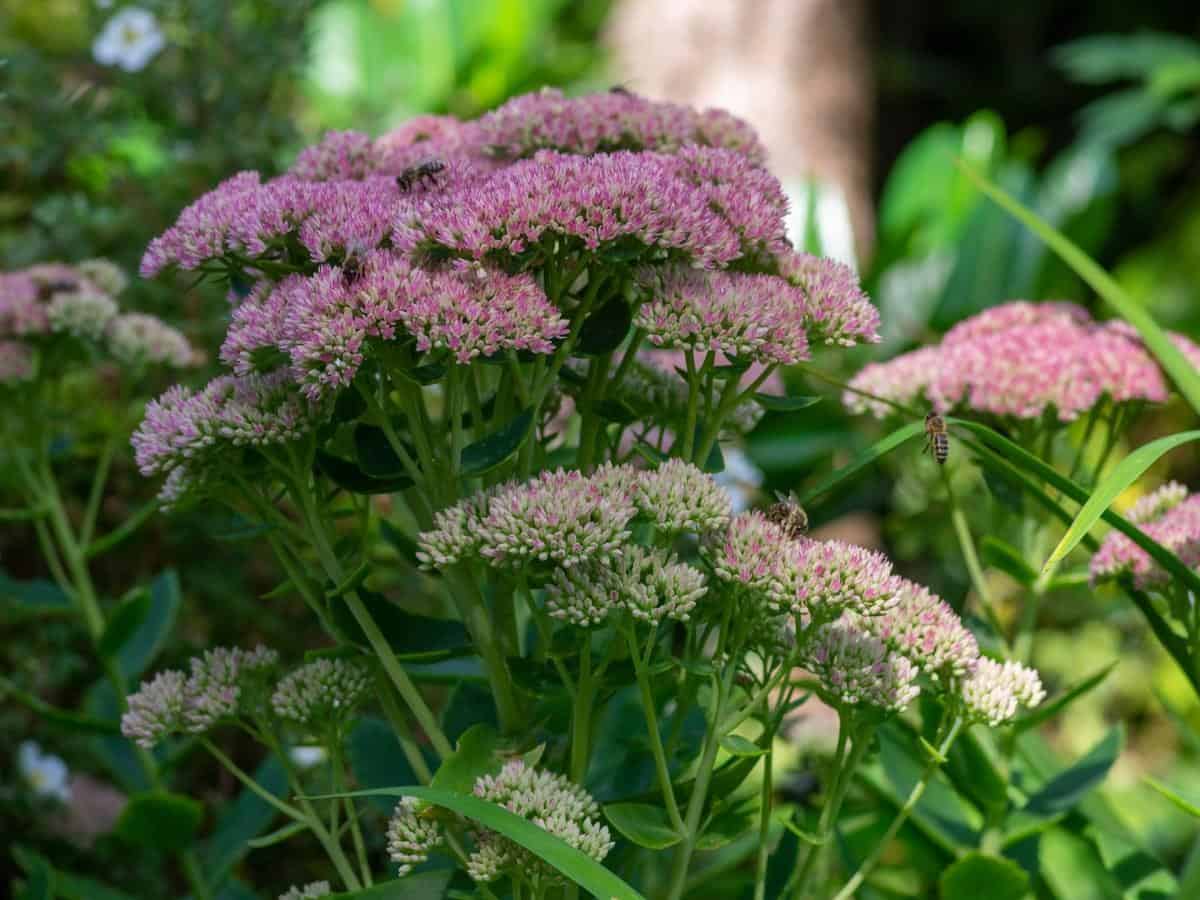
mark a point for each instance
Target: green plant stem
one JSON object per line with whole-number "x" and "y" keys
{"x": 79, "y": 585}
{"x": 472, "y": 609}
{"x": 383, "y": 651}
{"x": 251, "y": 784}
{"x": 730, "y": 398}
{"x": 339, "y": 787}
{"x": 581, "y": 713}
{"x": 656, "y": 745}
{"x": 408, "y": 745}
{"x": 914, "y": 797}
{"x": 844, "y": 766}
{"x": 590, "y": 421}
{"x": 966, "y": 544}
{"x": 695, "y": 809}
{"x": 96, "y": 493}
{"x": 766, "y": 796}
{"x": 1081, "y": 452}
{"x": 694, "y": 381}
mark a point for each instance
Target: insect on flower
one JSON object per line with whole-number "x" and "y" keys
{"x": 424, "y": 172}
{"x": 937, "y": 441}
{"x": 788, "y": 514}
{"x": 351, "y": 269}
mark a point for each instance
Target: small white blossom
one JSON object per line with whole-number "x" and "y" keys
{"x": 129, "y": 40}
{"x": 46, "y": 773}
{"x": 307, "y": 756}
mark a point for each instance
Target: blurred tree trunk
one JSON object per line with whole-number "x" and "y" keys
{"x": 799, "y": 70}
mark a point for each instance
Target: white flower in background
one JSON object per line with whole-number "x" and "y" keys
{"x": 741, "y": 478}
{"x": 307, "y": 757}
{"x": 46, "y": 773}
{"x": 130, "y": 39}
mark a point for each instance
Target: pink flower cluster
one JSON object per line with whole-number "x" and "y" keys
{"x": 608, "y": 122}
{"x": 185, "y": 432}
{"x": 753, "y": 317}
{"x": 924, "y": 628}
{"x": 1171, "y": 516}
{"x": 858, "y": 668}
{"x": 648, "y": 200}
{"x": 322, "y": 323}
{"x": 835, "y": 308}
{"x": 52, "y": 299}
{"x": 1017, "y": 361}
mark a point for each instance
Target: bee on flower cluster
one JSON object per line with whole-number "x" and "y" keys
{"x": 424, "y": 172}
{"x": 788, "y": 514}
{"x": 937, "y": 441}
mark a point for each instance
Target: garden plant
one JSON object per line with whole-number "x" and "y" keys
{"x": 478, "y": 379}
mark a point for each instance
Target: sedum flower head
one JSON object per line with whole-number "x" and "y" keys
{"x": 1157, "y": 503}
{"x": 607, "y": 122}
{"x": 751, "y": 554}
{"x": 1168, "y": 516}
{"x": 455, "y": 532}
{"x": 311, "y": 891}
{"x": 678, "y": 497}
{"x": 619, "y": 201}
{"x": 856, "y": 667}
{"x": 83, "y": 313}
{"x": 649, "y": 583}
{"x": 156, "y": 710}
{"x": 105, "y": 275}
{"x": 1018, "y": 361}
{"x": 996, "y": 691}
{"x": 321, "y": 692}
{"x": 138, "y": 339}
{"x": 190, "y": 432}
{"x": 924, "y": 628}
{"x": 411, "y": 835}
{"x": 550, "y": 801}
{"x": 560, "y": 517}
{"x": 836, "y": 310}
{"x": 221, "y": 684}
{"x": 823, "y": 579}
{"x": 752, "y": 317}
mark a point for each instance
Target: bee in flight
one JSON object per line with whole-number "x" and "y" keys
{"x": 620, "y": 89}
{"x": 424, "y": 172}
{"x": 937, "y": 441}
{"x": 788, "y": 514}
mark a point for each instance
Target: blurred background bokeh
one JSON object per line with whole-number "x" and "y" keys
{"x": 113, "y": 117}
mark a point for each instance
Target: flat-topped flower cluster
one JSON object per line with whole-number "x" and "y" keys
{"x": 47, "y": 304}
{"x": 867, "y": 633}
{"x": 461, "y": 241}
{"x": 1020, "y": 360}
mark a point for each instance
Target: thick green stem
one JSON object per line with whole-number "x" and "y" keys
{"x": 383, "y": 651}
{"x": 469, "y": 601}
{"x": 844, "y": 766}
{"x": 581, "y": 714}
{"x": 914, "y": 797}
{"x": 695, "y": 810}
{"x": 766, "y": 797}
{"x": 408, "y": 746}
{"x": 656, "y": 743}
{"x": 966, "y": 544}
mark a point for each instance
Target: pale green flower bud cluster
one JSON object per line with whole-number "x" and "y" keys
{"x": 649, "y": 583}
{"x": 996, "y": 691}
{"x": 411, "y": 835}
{"x": 320, "y": 693}
{"x": 312, "y": 891}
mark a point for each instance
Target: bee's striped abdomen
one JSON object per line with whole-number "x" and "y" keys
{"x": 941, "y": 447}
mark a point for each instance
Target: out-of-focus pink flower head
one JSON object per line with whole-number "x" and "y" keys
{"x": 1172, "y": 518}
{"x": 1018, "y": 361}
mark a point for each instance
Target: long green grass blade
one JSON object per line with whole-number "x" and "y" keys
{"x": 1181, "y": 371}
{"x": 864, "y": 459}
{"x": 1125, "y": 473}
{"x": 1184, "y": 804}
{"x": 578, "y": 866}
{"x": 1022, "y": 458}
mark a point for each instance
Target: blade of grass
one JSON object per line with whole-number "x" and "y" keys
{"x": 576, "y": 865}
{"x": 1157, "y": 341}
{"x": 864, "y": 459}
{"x": 1125, "y": 473}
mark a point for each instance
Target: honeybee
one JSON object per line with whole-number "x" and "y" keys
{"x": 351, "y": 270}
{"x": 937, "y": 441}
{"x": 620, "y": 89}
{"x": 788, "y": 514}
{"x": 424, "y": 172}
